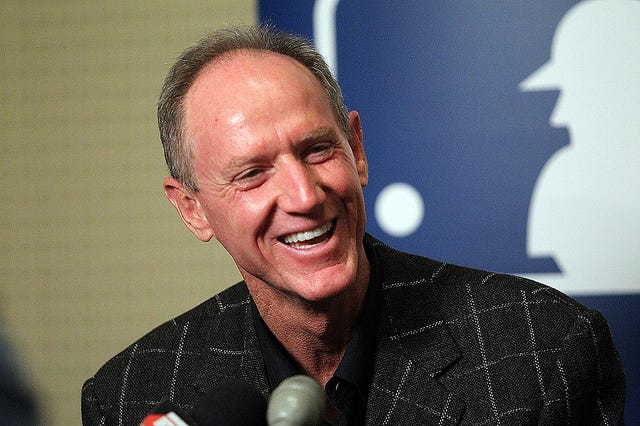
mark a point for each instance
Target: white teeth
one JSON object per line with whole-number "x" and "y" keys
{"x": 298, "y": 237}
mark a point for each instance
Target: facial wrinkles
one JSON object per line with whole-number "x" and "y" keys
{"x": 213, "y": 165}
{"x": 280, "y": 153}
{"x": 263, "y": 198}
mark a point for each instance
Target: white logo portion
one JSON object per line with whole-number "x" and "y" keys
{"x": 324, "y": 31}
{"x": 585, "y": 208}
{"x": 399, "y": 209}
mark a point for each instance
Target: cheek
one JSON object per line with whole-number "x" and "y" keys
{"x": 240, "y": 216}
{"x": 343, "y": 178}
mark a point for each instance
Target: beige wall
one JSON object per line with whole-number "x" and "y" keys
{"x": 92, "y": 255}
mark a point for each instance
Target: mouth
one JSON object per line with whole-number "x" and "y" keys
{"x": 308, "y": 239}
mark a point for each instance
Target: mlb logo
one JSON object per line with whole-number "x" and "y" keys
{"x": 503, "y": 136}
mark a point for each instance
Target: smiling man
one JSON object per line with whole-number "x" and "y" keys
{"x": 279, "y": 186}
{"x": 265, "y": 158}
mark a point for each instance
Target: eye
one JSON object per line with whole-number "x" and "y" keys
{"x": 250, "y": 178}
{"x": 250, "y": 174}
{"x": 319, "y": 152}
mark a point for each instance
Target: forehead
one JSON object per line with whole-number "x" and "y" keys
{"x": 249, "y": 72}
{"x": 247, "y": 90}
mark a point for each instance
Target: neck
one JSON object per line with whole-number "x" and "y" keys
{"x": 316, "y": 334}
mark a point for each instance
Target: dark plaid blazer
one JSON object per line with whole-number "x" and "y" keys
{"x": 455, "y": 346}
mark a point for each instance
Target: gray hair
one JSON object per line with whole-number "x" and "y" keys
{"x": 211, "y": 48}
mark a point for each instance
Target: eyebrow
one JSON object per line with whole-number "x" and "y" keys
{"x": 236, "y": 164}
{"x": 321, "y": 133}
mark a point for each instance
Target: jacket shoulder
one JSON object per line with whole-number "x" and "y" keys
{"x": 163, "y": 362}
{"x": 460, "y": 286}
{"x": 526, "y": 350}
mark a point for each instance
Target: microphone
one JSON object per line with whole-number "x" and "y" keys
{"x": 166, "y": 413}
{"x": 298, "y": 400}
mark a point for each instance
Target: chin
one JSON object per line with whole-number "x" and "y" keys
{"x": 326, "y": 289}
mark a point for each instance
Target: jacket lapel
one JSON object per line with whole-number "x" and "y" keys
{"x": 415, "y": 349}
{"x": 406, "y": 379}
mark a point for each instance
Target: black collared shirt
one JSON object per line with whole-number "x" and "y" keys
{"x": 348, "y": 389}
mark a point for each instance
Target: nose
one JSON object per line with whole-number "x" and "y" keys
{"x": 299, "y": 189}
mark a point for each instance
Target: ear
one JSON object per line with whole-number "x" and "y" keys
{"x": 357, "y": 146}
{"x": 186, "y": 203}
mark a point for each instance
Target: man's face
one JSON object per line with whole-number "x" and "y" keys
{"x": 280, "y": 186}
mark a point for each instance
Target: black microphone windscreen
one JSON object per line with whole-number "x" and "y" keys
{"x": 231, "y": 404}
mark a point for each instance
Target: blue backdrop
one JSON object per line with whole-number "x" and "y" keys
{"x": 438, "y": 88}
